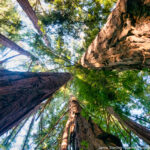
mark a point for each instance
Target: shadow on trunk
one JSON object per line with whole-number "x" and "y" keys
{"x": 124, "y": 42}
{"x": 22, "y": 92}
{"x": 80, "y": 133}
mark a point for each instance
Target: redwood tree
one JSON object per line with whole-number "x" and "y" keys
{"x": 22, "y": 92}
{"x": 124, "y": 42}
{"x": 32, "y": 15}
{"x": 8, "y": 43}
{"x": 141, "y": 131}
{"x": 80, "y": 133}
{"x": 121, "y": 44}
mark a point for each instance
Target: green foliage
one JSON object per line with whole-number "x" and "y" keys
{"x": 47, "y": 123}
{"x": 82, "y": 16}
{"x": 84, "y": 145}
{"x": 9, "y": 19}
{"x": 124, "y": 91}
{"x": 70, "y": 27}
{"x": 2, "y": 147}
{"x": 108, "y": 87}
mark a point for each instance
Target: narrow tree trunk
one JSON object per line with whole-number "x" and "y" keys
{"x": 32, "y": 15}
{"x": 28, "y": 133}
{"x": 141, "y": 131}
{"x": 64, "y": 144}
{"x": 21, "y": 93}
{"x": 10, "y": 44}
{"x": 7, "y": 59}
{"x": 85, "y": 134}
{"x": 124, "y": 42}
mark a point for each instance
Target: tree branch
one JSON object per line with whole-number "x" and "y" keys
{"x": 5, "y": 60}
{"x": 10, "y": 44}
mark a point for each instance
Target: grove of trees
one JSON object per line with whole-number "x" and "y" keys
{"x": 74, "y": 75}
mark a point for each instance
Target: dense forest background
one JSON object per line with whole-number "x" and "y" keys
{"x": 52, "y": 37}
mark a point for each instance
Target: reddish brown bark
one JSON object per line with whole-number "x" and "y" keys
{"x": 124, "y": 42}
{"x": 21, "y": 93}
{"x": 141, "y": 131}
{"x": 32, "y": 15}
{"x": 79, "y": 131}
{"x": 10, "y": 44}
{"x": 64, "y": 144}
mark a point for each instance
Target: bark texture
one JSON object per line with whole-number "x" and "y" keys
{"x": 85, "y": 134}
{"x": 21, "y": 93}
{"x": 124, "y": 42}
{"x": 32, "y": 15}
{"x": 141, "y": 131}
{"x": 10, "y": 44}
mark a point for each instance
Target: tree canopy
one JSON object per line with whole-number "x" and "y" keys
{"x": 52, "y": 36}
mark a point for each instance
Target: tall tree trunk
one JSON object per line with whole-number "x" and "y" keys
{"x": 124, "y": 42}
{"x": 80, "y": 133}
{"x": 10, "y": 44}
{"x": 141, "y": 131}
{"x": 32, "y": 15}
{"x": 28, "y": 133}
{"x": 22, "y": 92}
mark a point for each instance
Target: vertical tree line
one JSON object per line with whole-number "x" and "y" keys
{"x": 80, "y": 133}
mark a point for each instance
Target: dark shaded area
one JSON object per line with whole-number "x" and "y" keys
{"x": 22, "y": 92}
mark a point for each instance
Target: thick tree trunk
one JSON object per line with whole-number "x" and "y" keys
{"x": 21, "y": 93}
{"x": 32, "y": 15}
{"x": 141, "y": 131}
{"x": 10, "y": 44}
{"x": 85, "y": 134}
{"x": 124, "y": 42}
